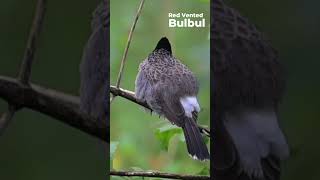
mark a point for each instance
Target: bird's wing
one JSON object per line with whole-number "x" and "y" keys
{"x": 147, "y": 89}
{"x": 169, "y": 102}
{"x": 141, "y": 85}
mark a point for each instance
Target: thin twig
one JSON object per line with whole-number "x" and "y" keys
{"x": 60, "y": 106}
{"x": 124, "y": 57}
{"x": 6, "y": 118}
{"x": 25, "y": 68}
{"x": 156, "y": 174}
{"x": 131, "y": 97}
{"x": 128, "y": 95}
{"x": 26, "y": 64}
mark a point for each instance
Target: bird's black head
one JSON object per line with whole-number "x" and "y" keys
{"x": 164, "y": 44}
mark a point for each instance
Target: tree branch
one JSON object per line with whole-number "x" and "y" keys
{"x": 124, "y": 57}
{"x": 156, "y": 174}
{"x": 25, "y": 68}
{"x": 60, "y": 106}
{"x": 131, "y": 97}
{"x": 6, "y": 118}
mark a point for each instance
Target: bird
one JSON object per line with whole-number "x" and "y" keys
{"x": 94, "y": 67}
{"x": 248, "y": 86}
{"x": 170, "y": 89}
{"x": 94, "y": 72}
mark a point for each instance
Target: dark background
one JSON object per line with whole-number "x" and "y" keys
{"x": 36, "y": 146}
{"x": 293, "y": 28}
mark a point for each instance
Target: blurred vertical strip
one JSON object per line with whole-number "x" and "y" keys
{"x": 94, "y": 69}
{"x": 248, "y": 88}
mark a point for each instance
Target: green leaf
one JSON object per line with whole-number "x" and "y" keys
{"x": 206, "y": 139}
{"x": 165, "y": 133}
{"x": 204, "y": 171}
{"x": 181, "y": 137}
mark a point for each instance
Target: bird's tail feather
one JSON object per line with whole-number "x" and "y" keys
{"x": 195, "y": 144}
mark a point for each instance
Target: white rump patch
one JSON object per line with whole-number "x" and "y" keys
{"x": 256, "y": 134}
{"x": 190, "y": 104}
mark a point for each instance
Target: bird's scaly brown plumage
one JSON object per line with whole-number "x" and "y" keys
{"x": 162, "y": 81}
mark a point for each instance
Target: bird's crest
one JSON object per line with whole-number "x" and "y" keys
{"x": 164, "y": 44}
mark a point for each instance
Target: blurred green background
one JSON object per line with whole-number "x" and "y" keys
{"x": 133, "y": 128}
{"x": 35, "y": 146}
{"x": 293, "y": 28}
